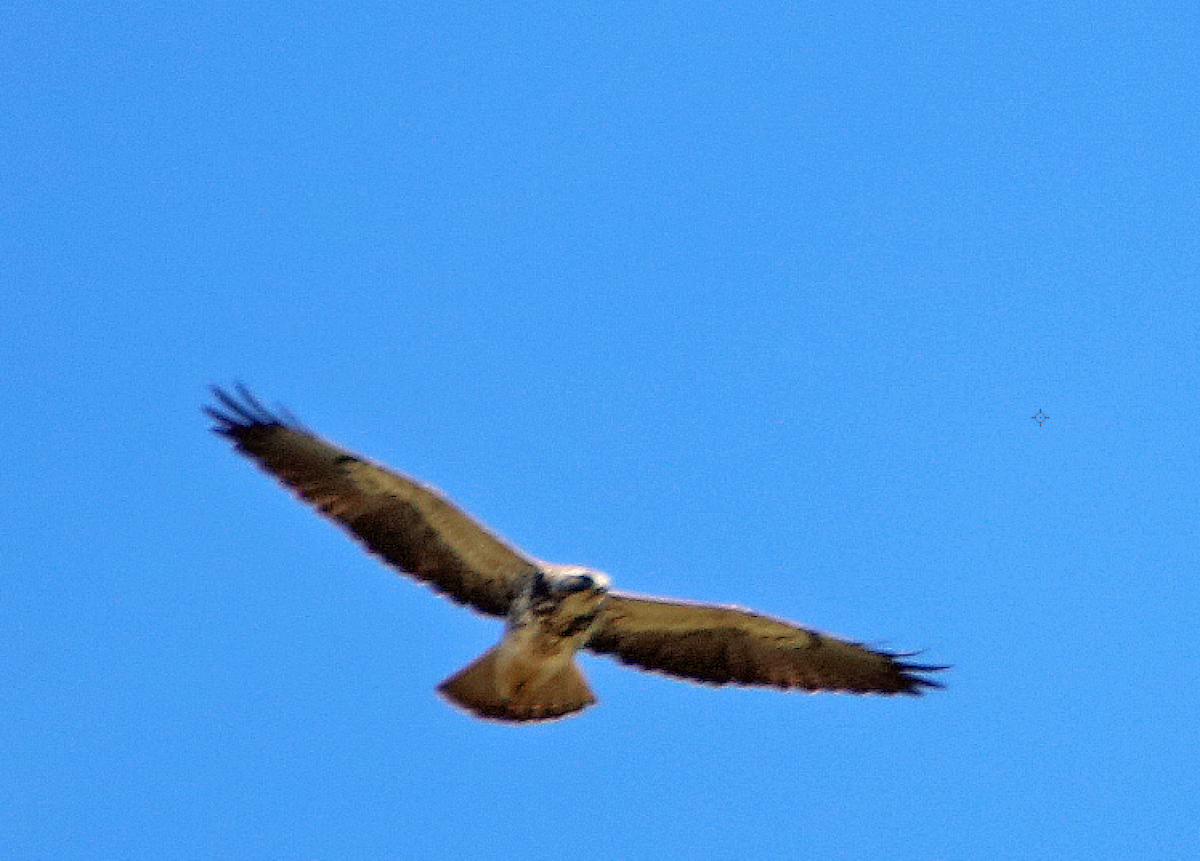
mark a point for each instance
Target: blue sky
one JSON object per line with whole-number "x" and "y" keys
{"x": 747, "y": 304}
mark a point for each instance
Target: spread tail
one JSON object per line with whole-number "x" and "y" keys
{"x": 479, "y": 689}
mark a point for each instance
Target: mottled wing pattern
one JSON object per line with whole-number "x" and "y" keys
{"x": 721, "y": 644}
{"x": 409, "y": 524}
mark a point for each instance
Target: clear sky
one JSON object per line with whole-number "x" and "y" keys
{"x": 748, "y": 303}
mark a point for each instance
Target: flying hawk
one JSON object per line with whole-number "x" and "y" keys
{"x": 550, "y": 611}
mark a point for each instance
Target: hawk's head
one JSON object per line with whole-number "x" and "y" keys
{"x": 558, "y": 581}
{"x": 564, "y": 600}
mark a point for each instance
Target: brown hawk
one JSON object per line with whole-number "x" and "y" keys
{"x": 550, "y": 611}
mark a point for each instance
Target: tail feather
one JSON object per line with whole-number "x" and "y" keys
{"x": 479, "y": 689}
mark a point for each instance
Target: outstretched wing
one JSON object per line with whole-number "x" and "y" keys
{"x": 411, "y": 525}
{"x": 721, "y": 644}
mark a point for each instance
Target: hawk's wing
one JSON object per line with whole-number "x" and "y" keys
{"x": 409, "y": 524}
{"x": 722, "y": 644}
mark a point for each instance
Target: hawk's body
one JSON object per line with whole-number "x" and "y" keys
{"x": 551, "y": 611}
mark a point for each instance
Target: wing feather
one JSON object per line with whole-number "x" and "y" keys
{"x": 725, "y": 644}
{"x": 410, "y": 524}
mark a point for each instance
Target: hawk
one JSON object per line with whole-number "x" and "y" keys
{"x": 550, "y": 611}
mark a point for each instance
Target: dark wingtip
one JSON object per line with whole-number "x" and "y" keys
{"x": 235, "y": 414}
{"x": 913, "y": 675}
